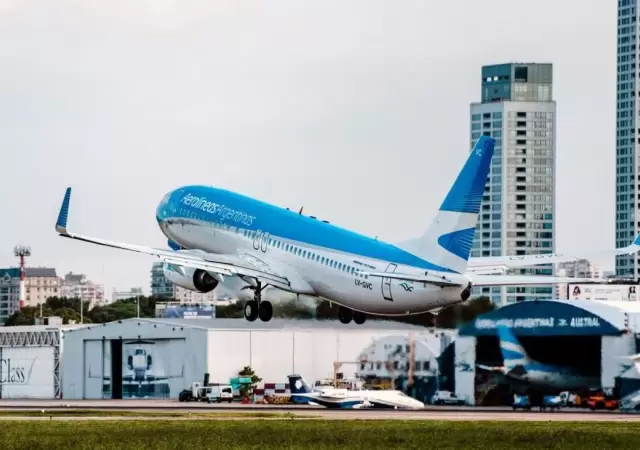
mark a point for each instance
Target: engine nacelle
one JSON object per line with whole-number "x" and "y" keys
{"x": 193, "y": 279}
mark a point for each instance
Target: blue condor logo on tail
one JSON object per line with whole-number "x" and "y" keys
{"x": 223, "y": 211}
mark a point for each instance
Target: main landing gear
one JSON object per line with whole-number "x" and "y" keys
{"x": 346, "y": 315}
{"x": 257, "y": 308}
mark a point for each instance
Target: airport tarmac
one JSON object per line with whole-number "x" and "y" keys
{"x": 305, "y": 412}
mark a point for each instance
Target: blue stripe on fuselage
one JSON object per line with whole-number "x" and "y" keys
{"x": 233, "y": 209}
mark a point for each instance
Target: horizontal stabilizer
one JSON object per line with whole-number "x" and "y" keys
{"x": 522, "y": 280}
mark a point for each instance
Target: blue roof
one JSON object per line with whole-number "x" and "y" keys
{"x": 552, "y": 318}
{"x": 13, "y": 272}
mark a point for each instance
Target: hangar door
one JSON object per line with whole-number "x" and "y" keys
{"x": 134, "y": 368}
{"x": 569, "y": 369}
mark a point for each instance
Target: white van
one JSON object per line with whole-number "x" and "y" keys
{"x": 219, "y": 393}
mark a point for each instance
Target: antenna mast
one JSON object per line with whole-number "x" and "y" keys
{"x": 22, "y": 252}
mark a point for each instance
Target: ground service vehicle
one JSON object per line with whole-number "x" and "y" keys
{"x": 219, "y": 393}
{"x": 446, "y": 398}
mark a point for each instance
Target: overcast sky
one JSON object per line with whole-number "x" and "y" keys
{"x": 356, "y": 109}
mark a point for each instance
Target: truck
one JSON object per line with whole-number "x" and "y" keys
{"x": 219, "y": 393}
{"x": 211, "y": 393}
{"x": 571, "y": 400}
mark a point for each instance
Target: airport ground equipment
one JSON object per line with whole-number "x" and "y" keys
{"x": 446, "y": 398}
{"x": 551, "y": 402}
{"x": 197, "y": 393}
{"x": 521, "y": 402}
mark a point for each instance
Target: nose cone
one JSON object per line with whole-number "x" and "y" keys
{"x": 162, "y": 211}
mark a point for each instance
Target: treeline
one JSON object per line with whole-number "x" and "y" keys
{"x": 451, "y": 317}
{"x": 69, "y": 310}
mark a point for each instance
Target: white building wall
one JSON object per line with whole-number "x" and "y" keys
{"x": 27, "y": 372}
{"x": 178, "y": 352}
{"x": 274, "y": 354}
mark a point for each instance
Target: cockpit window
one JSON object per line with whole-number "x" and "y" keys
{"x": 139, "y": 351}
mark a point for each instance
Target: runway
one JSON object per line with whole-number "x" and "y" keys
{"x": 237, "y": 411}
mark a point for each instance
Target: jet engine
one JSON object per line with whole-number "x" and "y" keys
{"x": 193, "y": 279}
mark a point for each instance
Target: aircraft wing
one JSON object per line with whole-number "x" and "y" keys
{"x": 237, "y": 264}
{"x": 501, "y": 263}
{"x": 498, "y": 369}
{"x": 518, "y": 370}
{"x": 521, "y": 280}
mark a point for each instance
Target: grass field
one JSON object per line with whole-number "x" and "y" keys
{"x": 292, "y": 434}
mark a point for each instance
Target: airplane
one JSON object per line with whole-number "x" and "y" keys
{"x": 139, "y": 363}
{"x": 519, "y": 369}
{"x": 330, "y": 397}
{"x": 215, "y": 233}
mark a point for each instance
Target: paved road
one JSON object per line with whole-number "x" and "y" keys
{"x": 174, "y": 405}
{"x": 429, "y": 413}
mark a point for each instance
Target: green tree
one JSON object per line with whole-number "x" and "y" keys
{"x": 292, "y": 310}
{"x": 232, "y": 311}
{"x": 247, "y": 391}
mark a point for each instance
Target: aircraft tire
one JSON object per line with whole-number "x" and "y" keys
{"x": 251, "y": 310}
{"x": 345, "y": 315}
{"x": 265, "y": 311}
{"x": 359, "y": 317}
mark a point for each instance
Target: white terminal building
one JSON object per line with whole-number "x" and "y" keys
{"x": 518, "y": 209}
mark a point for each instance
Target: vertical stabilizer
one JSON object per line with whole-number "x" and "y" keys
{"x": 297, "y": 385}
{"x": 512, "y": 351}
{"x": 448, "y": 240}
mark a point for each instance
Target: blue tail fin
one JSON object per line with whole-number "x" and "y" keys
{"x": 448, "y": 240}
{"x": 297, "y": 385}
{"x": 512, "y": 351}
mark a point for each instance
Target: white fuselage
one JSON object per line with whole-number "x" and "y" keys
{"x": 320, "y": 272}
{"x": 392, "y": 399}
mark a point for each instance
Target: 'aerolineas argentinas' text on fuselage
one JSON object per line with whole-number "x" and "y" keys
{"x": 223, "y": 211}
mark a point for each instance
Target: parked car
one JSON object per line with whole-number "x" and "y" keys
{"x": 446, "y": 398}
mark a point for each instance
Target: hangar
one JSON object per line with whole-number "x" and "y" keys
{"x": 30, "y": 358}
{"x": 157, "y": 358}
{"x": 571, "y": 345}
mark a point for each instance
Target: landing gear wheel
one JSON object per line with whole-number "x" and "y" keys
{"x": 251, "y": 310}
{"x": 345, "y": 315}
{"x": 265, "y": 311}
{"x": 359, "y": 317}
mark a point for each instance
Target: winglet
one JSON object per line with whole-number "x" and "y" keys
{"x": 61, "y": 224}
